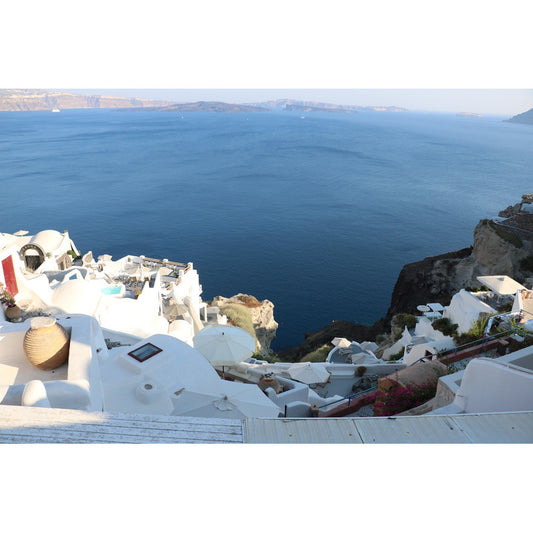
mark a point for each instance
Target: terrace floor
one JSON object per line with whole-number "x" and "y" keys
{"x": 39, "y": 425}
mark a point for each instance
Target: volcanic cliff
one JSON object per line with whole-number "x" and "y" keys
{"x": 502, "y": 245}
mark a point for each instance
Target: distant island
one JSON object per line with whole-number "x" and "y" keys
{"x": 57, "y": 100}
{"x": 523, "y": 118}
{"x": 270, "y": 105}
{"x": 300, "y": 105}
{"x": 215, "y": 107}
{"x": 46, "y": 100}
{"x": 310, "y": 109}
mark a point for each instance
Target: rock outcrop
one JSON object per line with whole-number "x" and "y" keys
{"x": 502, "y": 245}
{"x": 260, "y": 314}
{"x": 523, "y": 118}
{"x": 338, "y": 328}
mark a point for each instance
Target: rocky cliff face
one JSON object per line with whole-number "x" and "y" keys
{"x": 523, "y": 118}
{"x": 503, "y": 245}
{"x": 338, "y": 328}
{"x": 261, "y": 314}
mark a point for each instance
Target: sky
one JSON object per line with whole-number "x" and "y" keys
{"x": 286, "y": 48}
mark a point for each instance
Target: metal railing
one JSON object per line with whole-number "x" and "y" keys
{"x": 350, "y": 397}
{"x": 480, "y": 342}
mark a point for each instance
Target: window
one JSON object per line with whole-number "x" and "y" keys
{"x": 144, "y": 352}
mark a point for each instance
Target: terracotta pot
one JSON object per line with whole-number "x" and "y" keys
{"x": 269, "y": 381}
{"x": 12, "y": 313}
{"x": 46, "y": 343}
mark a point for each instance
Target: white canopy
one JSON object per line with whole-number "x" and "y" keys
{"x": 224, "y": 345}
{"x": 308, "y": 373}
{"x": 341, "y": 342}
{"x": 501, "y": 285}
{"x": 225, "y": 400}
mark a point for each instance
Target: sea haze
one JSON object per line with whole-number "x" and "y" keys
{"x": 316, "y": 214}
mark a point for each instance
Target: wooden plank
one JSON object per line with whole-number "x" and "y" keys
{"x": 66, "y": 436}
{"x": 62, "y": 415}
{"x": 300, "y": 431}
{"x": 33, "y": 424}
{"x": 99, "y": 431}
{"x": 128, "y": 425}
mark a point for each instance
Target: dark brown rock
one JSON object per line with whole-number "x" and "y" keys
{"x": 338, "y": 328}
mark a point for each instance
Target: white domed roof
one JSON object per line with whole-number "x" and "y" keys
{"x": 77, "y": 296}
{"x": 48, "y": 240}
{"x": 4, "y": 241}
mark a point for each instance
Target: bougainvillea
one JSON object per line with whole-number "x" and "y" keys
{"x": 5, "y": 296}
{"x": 402, "y": 398}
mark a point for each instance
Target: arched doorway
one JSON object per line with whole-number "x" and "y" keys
{"x": 33, "y": 256}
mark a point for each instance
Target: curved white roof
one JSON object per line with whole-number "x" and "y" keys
{"x": 4, "y": 241}
{"x": 77, "y": 296}
{"x": 464, "y": 308}
{"x": 49, "y": 240}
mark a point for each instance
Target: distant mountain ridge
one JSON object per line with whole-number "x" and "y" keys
{"x": 216, "y": 107}
{"x": 523, "y": 118}
{"x": 46, "y": 100}
{"x": 302, "y": 105}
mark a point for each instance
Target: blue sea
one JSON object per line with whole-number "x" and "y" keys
{"x": 317, "y": 214}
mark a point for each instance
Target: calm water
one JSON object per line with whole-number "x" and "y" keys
{"x": 318, "y": 215}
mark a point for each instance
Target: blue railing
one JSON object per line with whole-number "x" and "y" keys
{"x": 349, "y": 398}
{"x": 480, "y": 342}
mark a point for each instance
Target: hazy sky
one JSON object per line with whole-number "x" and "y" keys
{"x": 445, "y": 49}
{"x": 485, "y": 101}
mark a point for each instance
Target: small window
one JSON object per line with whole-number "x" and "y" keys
{"x": 144, "y": 352}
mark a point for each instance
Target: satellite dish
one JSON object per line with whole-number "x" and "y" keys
{"x": 20, "y": 233}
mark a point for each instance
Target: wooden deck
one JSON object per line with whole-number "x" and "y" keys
{"x": 41, "y": 425}
{"x": 20, "y": 425}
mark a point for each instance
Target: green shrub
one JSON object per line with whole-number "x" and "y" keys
{"x": 445, "y": 326}
{"x": 478, "y": 326}
{"x": 505, "y": 308}
{"x": 475, "y": 332}
{"x": 317, "y": 356}
{"x": 406, "y": 320}
{"x": 452, "y": 368}
{"x": 465, "y": 338}
{"x": 476, "y": 288}
{"x": 239, "y": 315}
{"x": 396, "y": 356}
